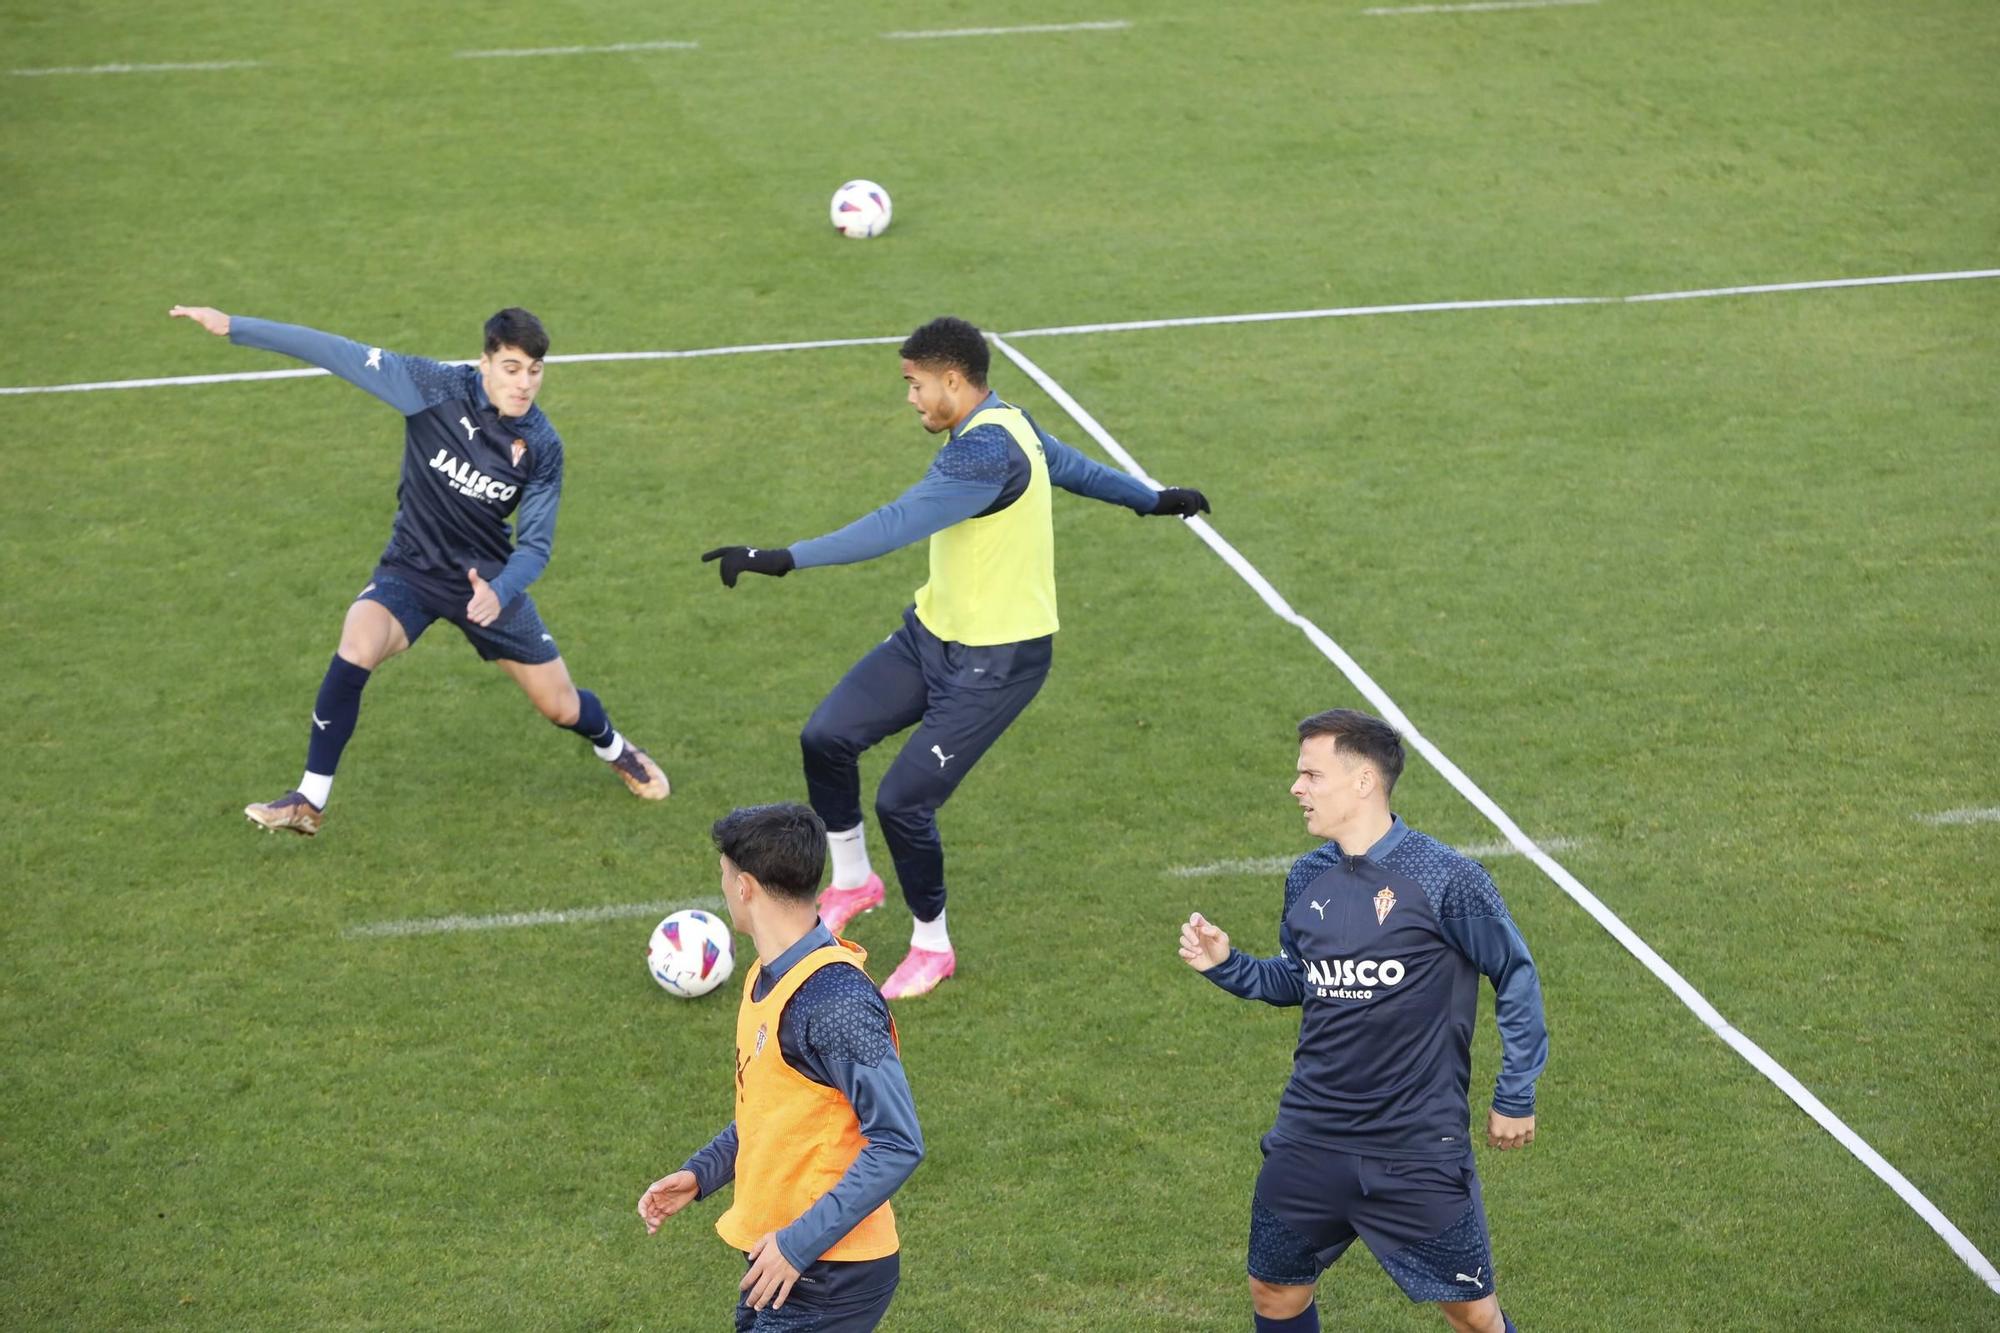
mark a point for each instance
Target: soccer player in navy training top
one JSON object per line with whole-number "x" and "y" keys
{"x": 476, "y": 450}
{"x": 972, "y": 652}
{"x": 825, "y": 1129}
{"x": 1384, "y": 935}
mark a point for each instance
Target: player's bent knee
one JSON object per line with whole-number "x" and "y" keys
{"x": 1275, "y": 1301}
{"x": 370, "y": 635}
{"x": 821, "y": 741}
{"x": 1480, "y": 1316}
{"x": 562, "y": 708}
{"x": 904, "y": 805}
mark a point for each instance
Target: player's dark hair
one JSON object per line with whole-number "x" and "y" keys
{"x": 1356, "y": 733}
{"x": 783, "y": 845}
{"x": 950, "y": 341}
{"x": 515, "y": 327}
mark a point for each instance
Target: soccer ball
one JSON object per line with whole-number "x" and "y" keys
{"x": 690, "y": 953}
{"x": 860, "y": 210}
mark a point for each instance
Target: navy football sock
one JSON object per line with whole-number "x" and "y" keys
{"x": 1305, "y": 1321}
{"x": 1507, "y": 1325}
{"x": 334, "y": 714}
{"x": 592, "y": 723}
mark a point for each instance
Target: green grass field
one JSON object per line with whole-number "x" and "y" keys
{"x": 1704, "y": 587}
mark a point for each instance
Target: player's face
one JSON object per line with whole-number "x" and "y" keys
{"x": 1327, "y": 787}
{"x": 932, "y": 395}
{"x": 511, "y": 379}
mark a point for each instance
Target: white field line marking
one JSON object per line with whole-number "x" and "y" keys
{"x": 439, "y": 925}
{"x": 1271, "y": 865}
{"x": 313, "y": 372}
{"x": 137, "y": 69}
{"x": 1568, "y": 883}
{"x": 616, "y": 48}
{"x": 1988, "y": 815}
{"x": 1482, "y": 7}
{"x": 1192, "y": 321}
{"x": 1102, "y": 25}
{"x": 1512, "y": 303}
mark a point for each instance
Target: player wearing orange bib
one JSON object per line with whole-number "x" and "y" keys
{"x": 825, "y": 1127}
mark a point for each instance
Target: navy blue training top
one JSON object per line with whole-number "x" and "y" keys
{"x": 462, "y": 475}
{"x": 1383, "y": 951}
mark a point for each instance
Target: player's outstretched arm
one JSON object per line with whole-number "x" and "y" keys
{"x": 962, "y": 482}
{"x": 736, "y": 561}
{"x": 1081, "y": 474}
{"x": 665, "y": 1197}
{"x": 1180, "y": 502}
{"x": 207, "y": 316}
{"x": 392, "y": 378}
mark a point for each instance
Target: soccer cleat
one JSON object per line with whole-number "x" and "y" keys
{"x": 837, "y": 907}
{"x": 640, "y": 774}
{"x": 920, "y": 973}
{"x": 291, "y": 811}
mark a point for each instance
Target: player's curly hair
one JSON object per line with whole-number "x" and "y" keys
{"x": 950, "y": 341}
{"x": 783, "y": 845}
{"x": 515, "y": 327}
{"x": 1361, "y": 737}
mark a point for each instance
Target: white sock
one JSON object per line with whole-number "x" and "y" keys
{"x": 315, "y": 787}
{"x": 850, "y": 858}
{"x": 930, "y": 934}
{"x": 609, "y": 752}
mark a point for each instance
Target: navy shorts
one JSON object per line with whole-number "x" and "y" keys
{"x": 517, "y": 636}
{"x": 1422, "y": 1218}
{"x": 829, "y": 1297}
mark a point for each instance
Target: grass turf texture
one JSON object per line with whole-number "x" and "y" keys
{"x": 1697, "y": 584}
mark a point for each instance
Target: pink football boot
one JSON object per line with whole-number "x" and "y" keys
{"x": 837, "y": 907}
{"x": 920, "y": 973}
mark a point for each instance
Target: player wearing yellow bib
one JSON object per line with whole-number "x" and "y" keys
{"x": 825, "y": 1129}
{"x": 970, "y": 654}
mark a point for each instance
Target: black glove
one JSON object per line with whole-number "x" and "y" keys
{"x": 737, "y": 560}
{"x": 1181, "y": 502}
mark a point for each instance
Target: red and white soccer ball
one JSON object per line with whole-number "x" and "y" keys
{"x": 860, "y": 210}
{"x": 691, "y": 953}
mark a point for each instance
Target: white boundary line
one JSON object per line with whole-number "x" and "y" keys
{"x": 1482, "y": 7}
{"x": 616, "y": 48}
{"x": 1064, "y": 330}
{"x": 440, "y": 925}
{"x": 314, "y": 372}
{"x": 1568, "y": 883}
{"x": 1509, "y": 303}
{"x": 1100, "y": 25}
{"x": 137, "y": 69}
{"x": 1988, "y": 815}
